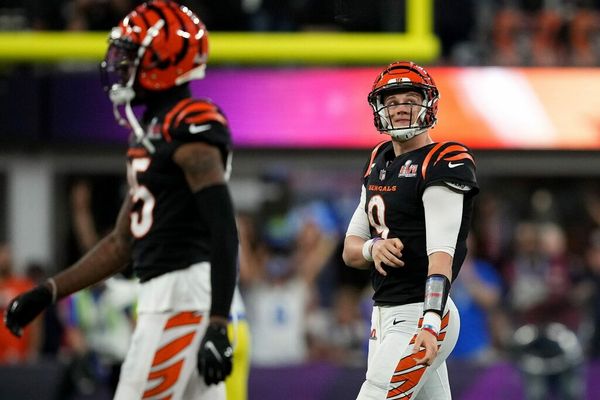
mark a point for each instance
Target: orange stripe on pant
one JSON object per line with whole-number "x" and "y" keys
{"x": 169, "y": 376}
{"x": 407, "y": 372}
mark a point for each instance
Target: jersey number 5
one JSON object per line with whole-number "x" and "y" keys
{"x": 141, "y": 219}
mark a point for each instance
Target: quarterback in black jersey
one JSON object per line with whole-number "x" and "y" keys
{"x": 177, "y": 225}
{"x": 410, "y": 228}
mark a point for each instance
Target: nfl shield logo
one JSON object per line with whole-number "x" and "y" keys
{"x": 382, "y": 174}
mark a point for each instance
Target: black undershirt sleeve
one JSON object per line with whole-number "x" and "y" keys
{"x": 216, "y": 210}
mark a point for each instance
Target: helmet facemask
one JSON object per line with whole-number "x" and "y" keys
{"x": 119, "y": 71}
{"x": 424, "y": 120}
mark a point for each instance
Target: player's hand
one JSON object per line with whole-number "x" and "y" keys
{"x": 388, "y": 252}
{"x": 24, "y": 308}
{"x": 427, "y": 344}
{"x": 215, "y": 355}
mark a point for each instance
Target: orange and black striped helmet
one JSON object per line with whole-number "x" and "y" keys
{"x": 397, "y": 77}
{"x": 160, "y": 44}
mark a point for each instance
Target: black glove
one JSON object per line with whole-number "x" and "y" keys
{"x": 24, "y": 308}
{"x": 215, "y": 354}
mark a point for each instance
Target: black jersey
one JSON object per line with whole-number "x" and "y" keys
{"x": 165, "y": 221}
{"x": 394, "y": 205}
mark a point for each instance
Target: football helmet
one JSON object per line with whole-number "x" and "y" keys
{"x": 158, "y": 45}
{"x": 398, "y": 77}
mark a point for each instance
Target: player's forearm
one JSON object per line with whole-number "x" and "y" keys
{"x": 108, "y": 257}
{"x": 440, "y": 263}
{"x": 217, "y": 213}
{"x": 353, "y": 253}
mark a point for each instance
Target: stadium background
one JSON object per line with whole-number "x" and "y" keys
{"x": 519, "y": 83}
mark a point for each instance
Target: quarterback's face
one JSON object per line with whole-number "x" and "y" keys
{"x": 403, "y": 108}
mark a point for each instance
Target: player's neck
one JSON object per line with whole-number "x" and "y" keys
{"x": 163, "y": 99}
{"x": 412, "y": 144}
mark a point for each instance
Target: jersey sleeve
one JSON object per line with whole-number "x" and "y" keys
{"x": 193, "y": 120}
{"x": 451, "y": 164}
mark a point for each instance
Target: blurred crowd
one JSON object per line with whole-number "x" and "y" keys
{"x": 482, "y": 32}
{"x": 533, "y": 264}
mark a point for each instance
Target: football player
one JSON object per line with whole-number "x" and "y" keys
{"x": 177, "y": 223}
{"x": 410, "y": 228}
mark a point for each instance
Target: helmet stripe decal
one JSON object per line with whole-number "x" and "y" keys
{"x": 162, "y": 16}
{"x": 185, "y": 41}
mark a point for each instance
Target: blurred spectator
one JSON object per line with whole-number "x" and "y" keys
{"x": 340, "y": 334}
{"x": 550, "y": 360}
{"x": 98, "y": 326}
{"x": 508, "y": 37}
{"x": 539, "y": 276}
{"x": 98, "y": 320}
{"x": 591, "y": 294}
{"x": 584, "y": 38}
{"x": 476, "y": 292}
{"x": 277, "y": 278}
{"x": 16, "y": 350}
{"x": 493, "y": 225}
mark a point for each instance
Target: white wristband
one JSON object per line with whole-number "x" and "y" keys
{"x": 433, "y": 320}
{"x": 367, "y": 249}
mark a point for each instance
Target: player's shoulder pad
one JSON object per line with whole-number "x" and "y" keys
{"x": 447, "y": 156}
{"x": 451, "y": 164}
{"x": 195, "y": 120}
{"x": 377, "y": 150}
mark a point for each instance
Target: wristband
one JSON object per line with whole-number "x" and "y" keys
{"x": 367, "y": 249}
{"x": 432, "y": 321}
{"x": 429, "y": 329}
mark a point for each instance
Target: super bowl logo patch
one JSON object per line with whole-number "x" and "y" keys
{"x": 408, "y": 170}
{"x": 382, "y": 174}
{"x": 153, "y": 132}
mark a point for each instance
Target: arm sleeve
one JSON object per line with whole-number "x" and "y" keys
{"x": 443, "y": 217}
{"x": 216, "y": 209}
{"x": 359, "y": 224}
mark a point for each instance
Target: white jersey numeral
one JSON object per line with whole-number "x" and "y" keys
{"x": 141, "y": 221}
{"x": 376, "y": 213}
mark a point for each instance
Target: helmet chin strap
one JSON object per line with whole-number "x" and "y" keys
{"x": 405, "y": 134}
{"x": 123, "y": 95}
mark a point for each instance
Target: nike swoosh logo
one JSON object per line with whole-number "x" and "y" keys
{"x": 451, "y": 165}
{"x": 199, "y": 128}
{"x": 398, "y": 322}
{"x": 210, "y": 346}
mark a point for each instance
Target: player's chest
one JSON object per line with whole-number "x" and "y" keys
{"x": 153, "y": 169}
{"x": 396, "y": 181}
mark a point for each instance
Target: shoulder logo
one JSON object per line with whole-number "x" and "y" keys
{"x": 454, "y": 165}
{"x": 199, "y": 128}
{"x": 396, "y": 322}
